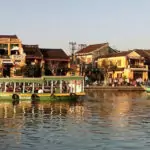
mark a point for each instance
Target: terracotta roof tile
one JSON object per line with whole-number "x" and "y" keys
{"x": 143, "y": 53}
{"x": 122, "y": 53}
{"x": 91, "y": 48}
{"x": 54, "y": 54}
{"x": 32, "y": 51}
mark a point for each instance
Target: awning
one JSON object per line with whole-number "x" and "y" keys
{"x": 15, "y": 48}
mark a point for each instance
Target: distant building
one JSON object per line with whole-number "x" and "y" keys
{"x": 87, "y": 57}
{"x": 146, "y": 54}
{"x": 55, "y": 61}
{"x": 126, "y": 64}
{"x": 90, "y": 53}
{"x": 34, "y": 60}
{"x": 33, "y": 53}
{"x": 12, "y": 57}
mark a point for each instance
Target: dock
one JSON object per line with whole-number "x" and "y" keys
{"x": 117, "y": 88}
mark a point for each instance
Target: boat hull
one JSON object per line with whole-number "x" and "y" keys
{"x": 42, "y": 96}
{"x": 146, "y": 88}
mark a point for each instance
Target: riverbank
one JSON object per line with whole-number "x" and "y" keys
{"x": 117, "y": 88}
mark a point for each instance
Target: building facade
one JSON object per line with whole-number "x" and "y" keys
{"x": 55, "y": 61}
{"x": 127, "y": 64}
{"x": 12, "y": 57}
{"x": 87, "y": 57}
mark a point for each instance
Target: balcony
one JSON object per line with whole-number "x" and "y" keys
{"x": 4, "y": 57}
{"x": 138, "y": 67}
{"x": 17, "y": 57}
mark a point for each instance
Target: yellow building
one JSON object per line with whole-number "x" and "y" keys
{"x": 126, "y": 64}
{"x": 12, "y": 57}
{"x": 87, "y": 55}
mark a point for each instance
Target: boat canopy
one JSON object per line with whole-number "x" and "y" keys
{"x": 21, "y": 80}
{"x": 65, "y": 78}
{"x": 42, "y": 79}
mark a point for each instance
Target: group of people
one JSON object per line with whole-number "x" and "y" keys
{"x": 120, "y": 81}
{"x": 129, "y": 82}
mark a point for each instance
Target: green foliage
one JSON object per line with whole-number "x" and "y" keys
{"x": 32, "y": 70}
{"x": 18, "y": 72}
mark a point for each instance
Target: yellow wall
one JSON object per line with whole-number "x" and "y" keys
{"x": 87, "y": 59}
{"x": 120, "y": 62}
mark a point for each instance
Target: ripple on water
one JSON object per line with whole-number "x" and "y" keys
{"x": 107, "y": 120}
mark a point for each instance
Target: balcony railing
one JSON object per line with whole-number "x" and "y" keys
{"x": 17, "y": 57}
{"x": 136, "y": 66}
{"x": 4, "y": 57}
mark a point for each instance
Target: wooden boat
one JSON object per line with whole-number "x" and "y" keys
{"x": 146, "y": 88}
{"x": 46, "y": 88}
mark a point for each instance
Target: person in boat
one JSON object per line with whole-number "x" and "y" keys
{"x": 64, "y": 87}
{"x": 36, "y": 90}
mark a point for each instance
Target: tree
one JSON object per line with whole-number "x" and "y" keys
{"x": 32, "y": 70}
{"x": 106, "y": 66}
{"x": 53, "y": 67}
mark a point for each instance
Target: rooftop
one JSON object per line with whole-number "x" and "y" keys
{"x": 92, "y": 48}
{"x": 54, "y": 54}
{"x": 32, "y": 51}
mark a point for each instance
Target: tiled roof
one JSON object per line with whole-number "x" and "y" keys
{"x": 8, "y": 36}
{"x": 123, "y": 53}
{"x": 91, "y": 48}
{"x": 58, "y": 54}
{"x": 143, "y": 53}
{"x": 32, "y": 51}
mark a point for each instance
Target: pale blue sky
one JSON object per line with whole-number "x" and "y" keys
{"x": 125, "y": 24}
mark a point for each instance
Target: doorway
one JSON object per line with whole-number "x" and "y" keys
{"x": 6, "y": 70}
{"x": 137, "y": 74}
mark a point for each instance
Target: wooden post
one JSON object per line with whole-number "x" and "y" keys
{"x": 33, "y": 87}
{"x": 14, "y": 87}
{"x": 60, "y": 86}
{"x": 83, "y": 85}
{"x": 9, "y": 52}
{"x": 75, "y": 83}
{"x": 5, "y": 87}
{"x": 43, "y": 87}
{"x": 51, "y": 86}
{"x": 23, "y": 90}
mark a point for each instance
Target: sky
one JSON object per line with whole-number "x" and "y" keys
{"x": 124, "y": 24}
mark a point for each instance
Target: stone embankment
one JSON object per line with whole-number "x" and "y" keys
{"x": 117, "y": 88}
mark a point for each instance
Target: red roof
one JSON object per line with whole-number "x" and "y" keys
{"x": 91, "y": 48}
{"x": 32, "y": 51}
{"x": 54, "y": 54}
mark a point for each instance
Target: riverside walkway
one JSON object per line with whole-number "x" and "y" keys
{"x": 117, "y": 88}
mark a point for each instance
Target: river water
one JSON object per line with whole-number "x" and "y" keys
{"x": 104, "y": 120}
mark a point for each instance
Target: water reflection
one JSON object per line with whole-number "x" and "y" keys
{"x": 104, "y": 120}
{"x": 7, "y": 110}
